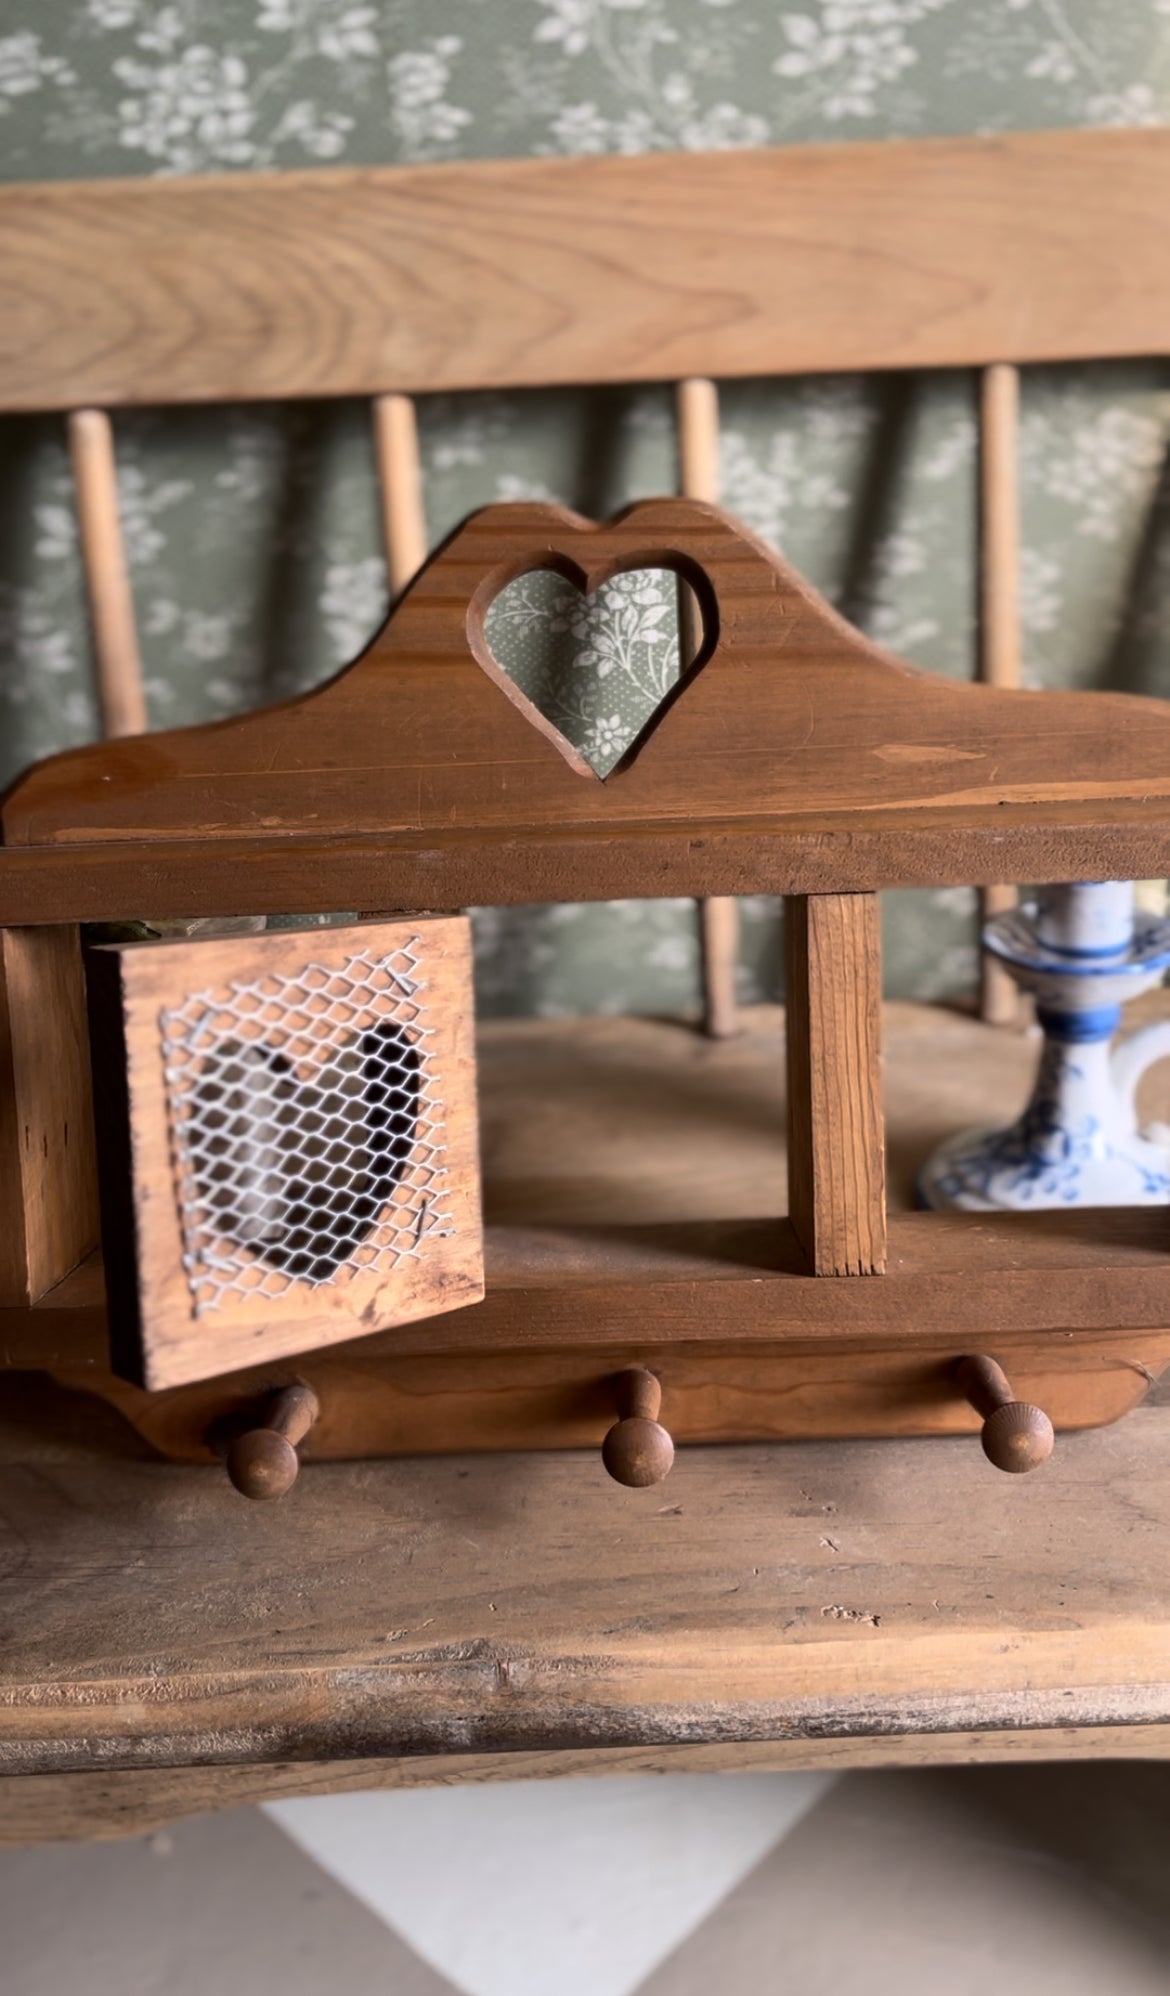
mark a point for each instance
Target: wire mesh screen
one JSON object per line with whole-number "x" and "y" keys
{"x": 306, "y": 1126}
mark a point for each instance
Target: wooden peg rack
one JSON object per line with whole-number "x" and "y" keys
{"x": 794, "y": 758}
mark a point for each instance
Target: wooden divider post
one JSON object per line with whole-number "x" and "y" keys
{"x": 836, "y": 1130}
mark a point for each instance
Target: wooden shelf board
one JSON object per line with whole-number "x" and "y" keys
{"x": 738, "y": 1282}
{"x": 270, "y": 873}
{"x": 651, "y": 1137}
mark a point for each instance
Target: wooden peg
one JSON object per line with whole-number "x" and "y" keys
{"x": 697, "y": 424}
{"x": 999, "y": 612}
{"x": 637, "y": 1451}
{"x": 404, "y": 527}
{"x": 264, "y": 1461}
{"x": 1016, "y": 1435}
{"x": 107, "y": 581}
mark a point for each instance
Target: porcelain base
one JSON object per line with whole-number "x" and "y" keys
{"x": 1000, "y": 1171}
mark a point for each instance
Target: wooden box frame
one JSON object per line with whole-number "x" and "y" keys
{"x": 796, "y": 758}
{"x": 163, "y": 1333}
{"x": 799, "y": 748}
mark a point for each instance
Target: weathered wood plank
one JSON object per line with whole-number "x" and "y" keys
{"x": 469, "y": 1618}
{"x": 476, "y": 1605}
{"x": 50, "y": 1808}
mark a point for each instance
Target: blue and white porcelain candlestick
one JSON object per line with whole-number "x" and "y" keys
{"x": 1083, "y": 952}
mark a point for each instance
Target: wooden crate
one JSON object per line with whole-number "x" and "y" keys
{"x": 287, "y": 1133}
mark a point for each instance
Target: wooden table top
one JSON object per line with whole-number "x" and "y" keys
{"x": 167, "y": 1647}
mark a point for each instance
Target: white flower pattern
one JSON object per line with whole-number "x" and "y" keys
{"x": 191, "y": 114}
{"x": 425, "y": 123}
{"x": 25, "y": 68}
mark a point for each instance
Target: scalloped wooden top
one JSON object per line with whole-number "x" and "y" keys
{"x": 791, "y": 712}
{"x": 789, "y": 720}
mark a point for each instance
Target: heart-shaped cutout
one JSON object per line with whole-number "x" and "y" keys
{"x": 296, "y": 1163}
{"x": 597, "y": 666}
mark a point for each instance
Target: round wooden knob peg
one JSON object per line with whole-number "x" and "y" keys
{"x": 1016, "y": 1435}
{"x": 637, "y": 1451}
{"x": 264, "y": 1461}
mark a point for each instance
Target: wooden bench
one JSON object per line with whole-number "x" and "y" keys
{"x": 814, "y": 1601}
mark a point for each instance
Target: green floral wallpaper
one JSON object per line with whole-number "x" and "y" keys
{"x": 253, "y": 531}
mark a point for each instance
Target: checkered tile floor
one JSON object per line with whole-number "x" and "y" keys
{"x": 1053, "y": 1879}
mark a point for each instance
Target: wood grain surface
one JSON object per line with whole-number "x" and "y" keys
{"x": 131, "y": 1802}
{"x": 376, "y": 1403}
{"x": 836, "y": 1132}
{"x": 943, "y": 252}
{"x": 790, "y": 724}
{"x": 297, "y": 873}
{"x": 743, "y": 1283}
{"x": 527, "y": 1604}
{"x": 48, "y": 1175}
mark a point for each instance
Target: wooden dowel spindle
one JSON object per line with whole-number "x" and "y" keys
{"x": 637, "y": 1451}
{"x": 697, "y": 422}
{"x": 697, "y": 403}
{"x": 264, "y": 1462}
{"x": 1017, "y": 1436}
{"x": 999, "y": 611}
{"x": 107, "y": 582}
{"x": 404, "y": 526}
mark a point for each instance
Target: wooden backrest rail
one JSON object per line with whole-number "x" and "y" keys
{"x": 806, "y": 259}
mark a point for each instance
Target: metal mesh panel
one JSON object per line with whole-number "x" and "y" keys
{"x": 306, "y": 1125}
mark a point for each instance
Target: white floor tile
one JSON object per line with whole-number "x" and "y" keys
{"x": 550, "y": 1888}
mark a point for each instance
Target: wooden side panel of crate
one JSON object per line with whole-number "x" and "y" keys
{"x": 48, "y": 1174}
{"x": 198, "y": 1288}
